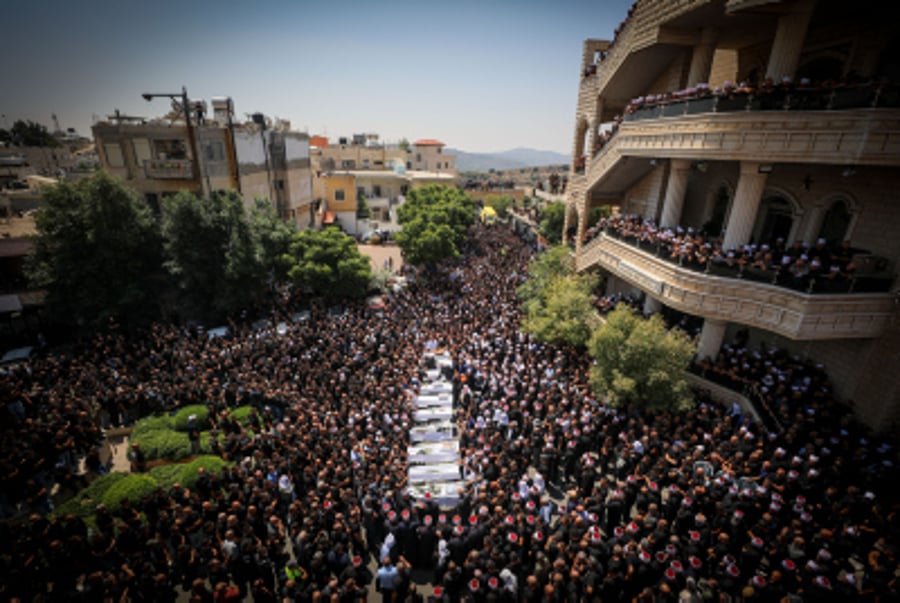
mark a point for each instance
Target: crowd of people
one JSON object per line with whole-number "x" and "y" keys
{"x": 567, "y": 498}
{"x": 819, "y": 267}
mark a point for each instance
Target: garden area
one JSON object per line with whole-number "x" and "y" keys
{"x": 177, "y": 449}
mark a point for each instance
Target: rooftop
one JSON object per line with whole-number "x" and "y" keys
{"x": 428, "y": 142}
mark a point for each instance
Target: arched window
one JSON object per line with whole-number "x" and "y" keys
{"x": 774, "y": 220}
{"x": 835, "y": 223}
{"x": 713, "y": 226}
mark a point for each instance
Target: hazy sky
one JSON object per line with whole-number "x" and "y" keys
{"x": 479, "y": 75}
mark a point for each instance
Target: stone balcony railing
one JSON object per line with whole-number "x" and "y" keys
{"x": 175, "y": 169}
{"x": 793, "y": 314}
{"x": 847, "y": 138}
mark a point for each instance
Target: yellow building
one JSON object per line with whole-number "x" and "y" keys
{"x": 756, "y": 122}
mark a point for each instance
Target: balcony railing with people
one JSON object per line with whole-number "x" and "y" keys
{"x": 729, "y": 98}
{"x": 812, "y": 270}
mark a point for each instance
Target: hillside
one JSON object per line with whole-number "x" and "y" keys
{"x": 506, "y": 160}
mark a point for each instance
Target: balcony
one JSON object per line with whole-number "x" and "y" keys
{"x": 169, "y": 169}
{"x": 793, "y": 314}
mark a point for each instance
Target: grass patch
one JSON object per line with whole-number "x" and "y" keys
{"x": 84, "y": 503}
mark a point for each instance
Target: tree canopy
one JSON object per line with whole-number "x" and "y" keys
{"x": 28, "y": 134}
{"x": 553, "y": 218}
{"x": 435, "y": 220}
{"x": 212, "y": 254}
{"x": 327, "y": 263}
{"x": 556, "y": 303}
{"x": 639, "y": 362}
{"x": 97, "y": 253}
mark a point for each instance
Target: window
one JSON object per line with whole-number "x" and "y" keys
{"x": 376, "y": 190}
{"x": 835, "y": 223}
{"x": 279, "y": 185}
{"x": 439, "y": 150}
{"x": 418, "y": 157}
{"x": 365, "y": 164}
{"x": 409, "y": 165}
{"x": 339, "y": 194}
{"x": 113, "y": 152}
{"x": 348, "y": 164}
{"x": 360, "y": 192}
{"x": 214, "y": 150}
{"x": 142, "y": 150}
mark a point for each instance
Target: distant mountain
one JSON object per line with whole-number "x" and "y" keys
{"x": 506, "y": 160}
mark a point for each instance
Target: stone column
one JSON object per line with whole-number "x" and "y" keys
{"x": 702, "y": 57}
{"x": 676, "y": 187}
{"x": 813, "y": 225}
{"x": 583, "y": 209}
{"x": 566, "y": 224}
{"x": 747, "y": 196}
{"x": 789, "y": 38}
{"x": 651, "y": 305}
{"x": 711, "y": 337}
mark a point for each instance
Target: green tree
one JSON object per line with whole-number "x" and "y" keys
{"x": 30, "y": 134}
{"x": 327, "y": 263}
{"x": 98, "y": 254}
{"x": 435, "y": 221}
{"x": 543, "y": 269}
{"x": 212, "y": 253}
{"x": 501, "y": 204}
{"x": 553, "y": 217}
{"x": 639, "y": 362}
{"x": 273, "y": 236}
{"x": 564, "y": 313}
{"x": 362, "y": 207}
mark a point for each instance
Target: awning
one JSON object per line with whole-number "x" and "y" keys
{"x": 328, "y": 217}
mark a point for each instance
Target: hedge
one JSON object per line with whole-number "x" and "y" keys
{"x": 186, "y": 474}
{"x": 183, "y": 414}
{"x": 134, "y": 486}
{"x": 241, "y": 414}
{"x": 152, "y": 424}
{"x": 85, "y": 502}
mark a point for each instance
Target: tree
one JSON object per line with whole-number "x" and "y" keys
{"x": 274, "y": 237}
{"x": 98, "y": 254}
{"x": 564, "y": 313}
{"x": 553, "y": 217}
{"x": 501, "y": 204}
{"x": 327, "y": 263}
{"x": 29, "y": 134}
{"x": 639, "y": 362}
{"x": 543, "y": 269}
{"x": 435, "y": 221}
{"x": 362, "y": 207}
{"x": 212, "y": 253}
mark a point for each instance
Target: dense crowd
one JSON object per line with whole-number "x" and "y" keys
{"x": 652, "y": 507}
{"x": 820, "y": 266}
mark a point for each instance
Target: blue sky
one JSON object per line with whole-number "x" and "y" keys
{"x": 479, "y": 75}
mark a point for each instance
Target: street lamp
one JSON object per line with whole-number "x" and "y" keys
{"x": 192, "y": 140}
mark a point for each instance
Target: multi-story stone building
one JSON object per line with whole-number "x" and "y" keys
{"x": 364, "y": 168}
{"x": 259, "y": 159}
{"x": 759, "y": 124}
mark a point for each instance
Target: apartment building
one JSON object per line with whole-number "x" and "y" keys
{"x": 760, "y": 124}
{"x": 362, "y": 167}
{"x": 258, "y": 158}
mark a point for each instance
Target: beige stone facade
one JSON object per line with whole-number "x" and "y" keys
{"x": 163, "y": 156}
{"x": 699, "y": 142}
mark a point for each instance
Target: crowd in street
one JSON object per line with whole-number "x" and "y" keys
{"x": 566, "y": 498}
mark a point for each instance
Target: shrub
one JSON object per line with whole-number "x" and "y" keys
{"x": 133, "y": 487}
{"x": 151, "y": 424}
{"x": 85, "y": 502}
{"x": 191, "y": 471}
{"x": 166, "y": 475}
{"x": 164, "y": 444}
{"x": 181, "y": 417}
{"x": 241, "y": 414}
